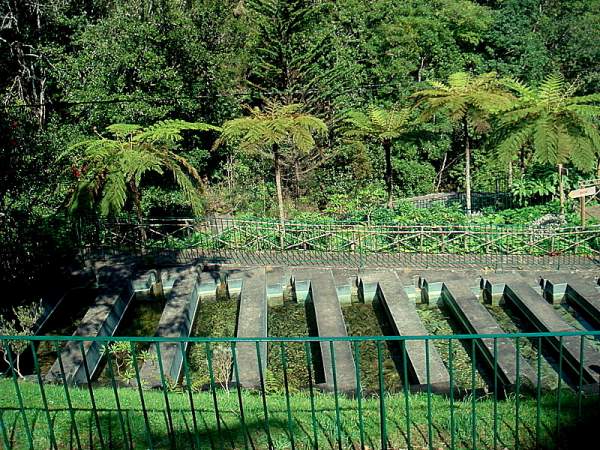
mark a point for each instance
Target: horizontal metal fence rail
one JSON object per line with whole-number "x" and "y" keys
{"x": 207, "y": 409}
{"x": 353, "y": 244}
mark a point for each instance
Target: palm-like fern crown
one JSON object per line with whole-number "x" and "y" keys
{"x": 558, "y": 125}
{"x": 275, "y": 124}
{"x": 377, "y": 123}
{"x": 112, "y": 164}
{"x": 465, "y": 96}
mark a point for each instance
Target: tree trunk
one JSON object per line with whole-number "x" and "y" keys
{"x": 387, "y": 148}
{"x": 440, "y": 173}
{"x": 230, "y": 174}
{"x": 276, "y": 163}
{"x": 467, "y": 166}
{"x": 510, "y": 174}
{"x": 297, "y": 180}
{"x": 137, "y": 203}
{"x": 561, "y": 189}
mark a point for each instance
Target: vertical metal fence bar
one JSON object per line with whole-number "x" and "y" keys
{"x": 67, "y": 393}
{"x": 5, "y": 439}
{"x": 336, "y": 396}
{"x": 8, "y": 351}
{"x": 451, "y": 374}
{"x": 88, "y": 379}
{"x": 473, "y": 397}
{"x": 560, "y": 375}
{"x": 138, "y": 380}
{"x": 263, "y": 394}
{"x": 43, "y": 395}
{"x": 313, "y": 415}
{"x": 538, "y": 395}
{"x": 517, "y": 392}
{"x": 382, "y": 410}
{"x": 361, "y": 424}
{"x": 495, "y": 406}
{"x": 188, "y": 383}
{"x": 580, "y": 380}
{"x": 213, "y": 390}
{"x": 161, "y": 371}
{"x": 428, "y": 378}
{"x": 239, "y": 394}
{"x": 406, "y": 392}
{"x": 113, "y": 383}
{"x": 287, "y": 394}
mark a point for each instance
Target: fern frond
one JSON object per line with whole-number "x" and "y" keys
{"x": 517, "y": 116}
{"x": 587, "y": 111}
{"x": 545, "y": 141}
{"x": 582, "y": 154}
{"x": 114, "y": 193}
{"x": 552, "y": 87}
{"x": 123, "y": 130}
{"x": 170, "y": 130}
{"x": 584, "y": 99}
{"x": 459, "y": 80}
{"x": 510, "y": 147}
{"x": 521, "y": 89}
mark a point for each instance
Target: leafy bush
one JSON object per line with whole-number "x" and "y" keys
{"x": 125, "y": 362}
{"x": 24, "y": 323}
{"x": 414, "y": 177}
{"x": 540, "y": 183}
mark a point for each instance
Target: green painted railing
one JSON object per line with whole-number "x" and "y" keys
{"x": 207, "y": 409}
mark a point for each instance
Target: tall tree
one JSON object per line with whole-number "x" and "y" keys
{"x": 276, "y": 132}
{"x": 290, "y": 56}
{"x": 558, "y": 125}
{"x": 469, "y": 100}
{"x": 383, "y": 126}
{"x": 109, "y": 169}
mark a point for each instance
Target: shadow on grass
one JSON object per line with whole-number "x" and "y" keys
{"x": 183, "y": 429}
{"x": 575, "y": 436}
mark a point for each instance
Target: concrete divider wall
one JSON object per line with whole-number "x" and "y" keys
{"x": 330, "y": 323}
{"x": 583, "y": 294}
{"x": 252, "y": 323}
{"x": 176, "y": 321}
{"x": 540, "y": 314}
{"x": 402, "y": 315}
{"x": 102, "y": 319}
{"x": 474, "y": 318}
{"x": 52, "y": 302}
{"x": 174, "y": 370}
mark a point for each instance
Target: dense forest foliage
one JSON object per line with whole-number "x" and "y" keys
{"x": 71, "y": 68}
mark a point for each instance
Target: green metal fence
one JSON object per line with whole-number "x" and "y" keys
{"x": 346, "y": 244}
{"x": 205, "y": 408}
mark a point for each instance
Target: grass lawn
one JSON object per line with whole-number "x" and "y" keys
{"x": 205, "y": 433}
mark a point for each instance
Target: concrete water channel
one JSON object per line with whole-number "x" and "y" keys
{"x": 260, "y": 301}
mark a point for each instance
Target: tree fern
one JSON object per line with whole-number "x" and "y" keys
{"x": 113, "y": 167}
{"x": 274, "y": 132}
{"x": 557, "y": 125}
{"x": 382, "y": 125}
{"x": 469, "y": 101}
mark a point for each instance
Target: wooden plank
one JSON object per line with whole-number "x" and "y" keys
{"x": 583, "y": 192}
